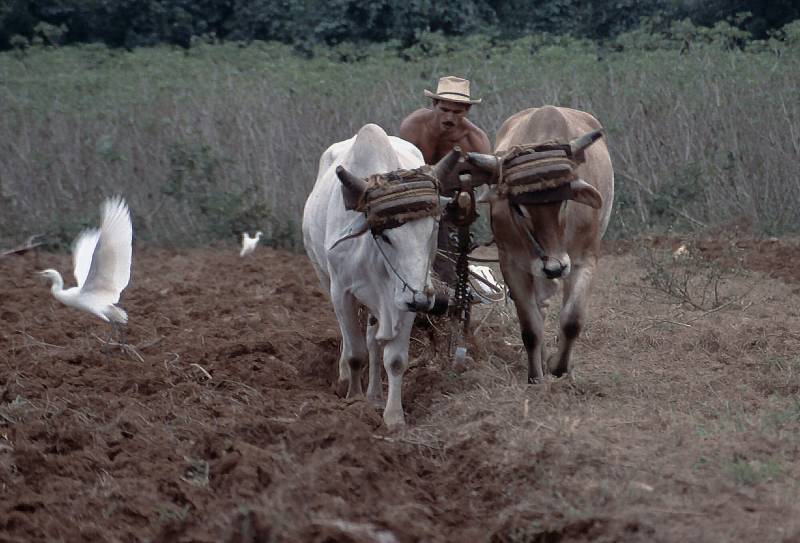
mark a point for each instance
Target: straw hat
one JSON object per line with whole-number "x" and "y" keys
{"x": 452, "y": 89}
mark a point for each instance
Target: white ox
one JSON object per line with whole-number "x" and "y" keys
{"x": 566, "y": 234}
{"x": 387, "y": 273}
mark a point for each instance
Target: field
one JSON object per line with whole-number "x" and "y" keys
{"x": 210, "y": 141}
{"x": 224, "y": 422}
{"x": 682, "y": 423}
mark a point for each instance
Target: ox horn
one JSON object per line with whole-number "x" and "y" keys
{"x": 443, "y": 168}
{"x": 353, "y": 188}
{"x": 580, "y": 143}
{"x": 487, "y": 163}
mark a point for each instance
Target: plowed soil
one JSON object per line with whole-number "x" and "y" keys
{"x": 682, "y": 422}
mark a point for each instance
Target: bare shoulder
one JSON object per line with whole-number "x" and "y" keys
{"x": 478, "y": 139}
{"x": 415, "y": 118}
{"x": 412, "y": 127}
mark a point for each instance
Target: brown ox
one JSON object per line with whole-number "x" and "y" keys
{"x": 544, "y": 242}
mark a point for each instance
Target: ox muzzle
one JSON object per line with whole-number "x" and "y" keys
{"x": 437, "y": 305}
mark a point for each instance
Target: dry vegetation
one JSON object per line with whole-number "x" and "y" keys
{"x": 682, "y": 424}
{"x": 221, "y": 138}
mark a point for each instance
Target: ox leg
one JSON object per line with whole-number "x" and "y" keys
{"x": 354, "y": 345}
{"x": 395, "y": 360}
{"x": 374, "y": 388}
{"x": 572, "y": 318}
{"x": 530, "y": 317}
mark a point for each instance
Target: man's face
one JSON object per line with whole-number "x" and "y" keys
{"x": 449, "y": 115}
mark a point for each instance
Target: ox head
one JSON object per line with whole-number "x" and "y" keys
{"x": 538, "y": 217}
{"x": 404, "y": 225}
{"x": 407, "y": 252}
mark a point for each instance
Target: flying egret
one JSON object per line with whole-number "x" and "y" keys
{"x": 248, "y": 243}
{"x": 102, "y": 265}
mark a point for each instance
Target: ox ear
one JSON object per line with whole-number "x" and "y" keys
{"x": 584, "y": 193}
{"x": 356, "y": 228}
{"x": 353, "y": 188}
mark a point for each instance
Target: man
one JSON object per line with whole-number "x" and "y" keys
{"x": 435, "y": 132}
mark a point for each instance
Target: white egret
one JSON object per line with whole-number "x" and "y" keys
{"x": 248, "y": 243}
{"x": 102, "y": 265}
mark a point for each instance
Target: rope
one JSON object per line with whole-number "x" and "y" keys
{"x": 537, "y": 249}
{"x": 395, "y": 272}
{"x": 388, "y": 263}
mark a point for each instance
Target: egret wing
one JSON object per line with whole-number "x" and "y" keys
{"x": 82, "y": 250}
{"x": 110, "y": 270}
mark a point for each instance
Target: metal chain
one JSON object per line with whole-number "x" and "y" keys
{"x": 462, "y": 295}
{"x": 460, "y": 307}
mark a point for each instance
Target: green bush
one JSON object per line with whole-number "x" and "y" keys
{"x": 307, "y": 23}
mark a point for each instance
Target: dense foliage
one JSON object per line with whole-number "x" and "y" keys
{"x": 131, "y": 23}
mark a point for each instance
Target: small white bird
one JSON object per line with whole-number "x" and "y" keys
{"x": 248, "y": 243}
{"x": 102, "y": 265}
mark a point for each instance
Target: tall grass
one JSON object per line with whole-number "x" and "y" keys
{"x": 208, "y": 141}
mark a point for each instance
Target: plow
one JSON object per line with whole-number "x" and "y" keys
{"x": 462, "y": 213}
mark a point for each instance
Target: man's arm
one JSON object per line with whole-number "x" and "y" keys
{"x": 478, "y": 140}
{"x": 479, "y": 143}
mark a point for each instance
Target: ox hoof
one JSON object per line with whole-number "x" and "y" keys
{"x": 535, "y": 380}
{"x": 555, "y": 367}
{"x": 354, "y": 392}
{"x": 375, "y": 400}
{"x": 394, "y": 422}
{"x": 341, "y": 388}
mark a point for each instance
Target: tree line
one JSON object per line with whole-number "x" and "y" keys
{"x": 135, "y": 23}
